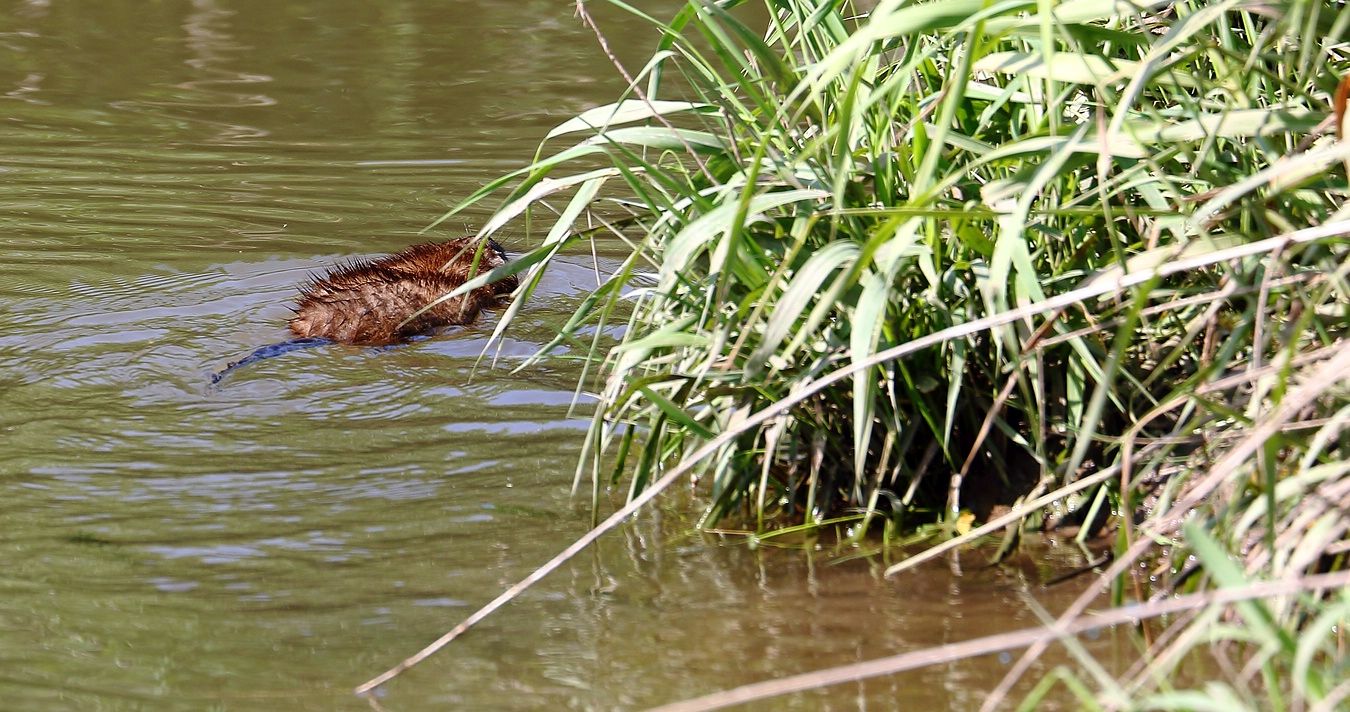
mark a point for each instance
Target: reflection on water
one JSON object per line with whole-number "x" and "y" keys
{"x": 172, "y": 170}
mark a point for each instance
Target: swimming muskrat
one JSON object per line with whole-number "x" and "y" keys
{"x": 372, "y": 302}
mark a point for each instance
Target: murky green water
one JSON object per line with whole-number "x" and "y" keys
{"x": 170, "y": 171}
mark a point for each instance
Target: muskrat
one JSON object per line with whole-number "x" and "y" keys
{"x": 373, "y": 302}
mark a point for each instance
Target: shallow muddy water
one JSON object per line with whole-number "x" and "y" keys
{"x": 170, "y": 172}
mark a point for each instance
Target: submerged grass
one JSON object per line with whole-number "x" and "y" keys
{"x": 907, "y": 261}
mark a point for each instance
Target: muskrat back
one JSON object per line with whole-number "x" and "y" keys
{"x": 371, "y": 301}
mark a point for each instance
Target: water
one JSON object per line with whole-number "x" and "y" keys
{"x": 170, "y": 172}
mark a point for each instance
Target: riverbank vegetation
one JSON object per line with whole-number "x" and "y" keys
{"x": 985, "y": 267}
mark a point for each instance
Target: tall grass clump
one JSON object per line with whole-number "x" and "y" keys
{"x": 904, "y": 261}
{"x": 863, "y": 175}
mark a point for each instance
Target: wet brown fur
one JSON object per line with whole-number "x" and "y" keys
{"x": 368, "y": 301}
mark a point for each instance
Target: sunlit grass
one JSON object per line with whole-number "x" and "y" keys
{"x": 848, "y": 182}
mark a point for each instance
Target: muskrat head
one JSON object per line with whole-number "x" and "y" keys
{"x": 495, "y": 256}
{"x": 497, "y": 248}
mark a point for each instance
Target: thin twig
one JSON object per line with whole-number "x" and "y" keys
{"x": 1310, "y": 278}
{"x": 632, "y": 83}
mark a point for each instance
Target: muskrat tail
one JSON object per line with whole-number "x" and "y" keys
{"x": 269, "y": 351}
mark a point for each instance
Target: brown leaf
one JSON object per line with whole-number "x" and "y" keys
{"x": 1342, "y": 93}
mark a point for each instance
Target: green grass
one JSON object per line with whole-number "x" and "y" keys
{"x": 903, "y": 262}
